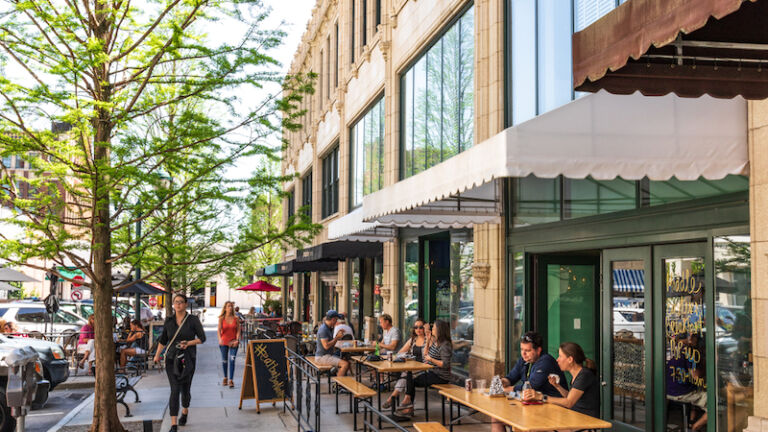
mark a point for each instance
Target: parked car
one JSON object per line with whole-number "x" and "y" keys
{"x": 54, "y": 367}
{"x": 629, "y": 319}
{"x": 85, "y": 309}
{"x": 32, "y": 316}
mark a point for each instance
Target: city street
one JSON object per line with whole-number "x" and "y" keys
{"x": 60, "y": 402}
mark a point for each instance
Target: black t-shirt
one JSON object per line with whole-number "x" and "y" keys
{"x": 191, "y": 329}
{"x": 589, "y": 402}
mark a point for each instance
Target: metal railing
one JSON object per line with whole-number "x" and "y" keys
{"x": 369, "y": 411}
{"x": 301, "y": 399}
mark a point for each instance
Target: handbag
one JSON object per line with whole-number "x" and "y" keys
{"x": 170, "y": 344}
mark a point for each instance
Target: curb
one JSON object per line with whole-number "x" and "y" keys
{"x": 71, "y": 414}
{"x": 75, "y": 385}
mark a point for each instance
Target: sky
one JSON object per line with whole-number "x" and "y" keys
{"x": 294, "y": 15}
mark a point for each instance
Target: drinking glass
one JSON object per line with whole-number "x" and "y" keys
{"x": 480, "y": 384}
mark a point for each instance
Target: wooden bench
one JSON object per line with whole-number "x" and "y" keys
{"x": 321, "y": 369}
{"x": 356, "y": 390}
{"x": 429, "y": 427}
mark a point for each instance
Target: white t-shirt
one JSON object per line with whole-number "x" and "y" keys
{"x": 91, "y": 351}
{"x": 345, "y": 326}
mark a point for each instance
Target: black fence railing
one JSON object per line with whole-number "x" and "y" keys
{"x": 302, "y": 399}
{"x": 369, "y": 422}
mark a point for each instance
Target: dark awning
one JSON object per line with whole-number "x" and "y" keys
{"x": 340, "y": 250}
{"x": 294, "y": 266}
{"x": 686, "y": 47}
{"x": 260, "y": 271}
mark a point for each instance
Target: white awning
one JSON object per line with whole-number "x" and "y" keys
{"x": 352, "y": 227}
{"x": 600, "y": 135}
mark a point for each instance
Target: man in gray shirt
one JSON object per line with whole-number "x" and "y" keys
{"x": 326, "y": 343}
{"x": 391, "y": 336}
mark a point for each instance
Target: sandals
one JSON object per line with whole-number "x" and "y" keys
{"x": 224, "y": 383}
{"x": 387, "y": 404}
{"x": 231, "y": 384}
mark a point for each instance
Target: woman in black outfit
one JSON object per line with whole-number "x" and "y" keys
{"x": 188, "y": 332}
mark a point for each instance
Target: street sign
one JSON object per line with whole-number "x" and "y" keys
{"x": 76, "y": 295}
{"x": 152, "y": 301}
{"x": 77, "y": 278}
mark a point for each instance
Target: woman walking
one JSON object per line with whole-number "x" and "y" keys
{"x": 439, "y": 353}
{"x": 229, "y": 338}
{"x": 414, "y": 348}
{"x": 181, "y": 332}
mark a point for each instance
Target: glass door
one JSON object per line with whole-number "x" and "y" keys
{"x": 626, "y": 358}
{"x": 680, "y": 349}
{"x": 567, "y": 298}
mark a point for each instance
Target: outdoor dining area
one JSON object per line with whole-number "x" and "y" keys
{"x": 358, "y": 384}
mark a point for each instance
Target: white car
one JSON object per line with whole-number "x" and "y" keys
{"x": 629, "y": 319}
{"x": 28, "y": 316}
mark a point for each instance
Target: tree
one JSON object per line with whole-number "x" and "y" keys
{"x": 104, "y": 67}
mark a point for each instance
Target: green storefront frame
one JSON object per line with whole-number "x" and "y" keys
{"x": 651, "y": 227}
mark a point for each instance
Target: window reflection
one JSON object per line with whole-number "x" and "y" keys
{"x": 410, "y": 287}
{"x": 461, "y": 299}
{"x": 367, "y": 154}
{"x": 733, "y": 336}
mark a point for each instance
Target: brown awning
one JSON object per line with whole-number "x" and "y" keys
{"x": 687, "y": 47}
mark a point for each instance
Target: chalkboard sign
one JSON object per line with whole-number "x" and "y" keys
{"x": 265, "y": 376}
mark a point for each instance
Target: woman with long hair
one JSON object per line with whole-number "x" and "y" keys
{"x": 439, "y": 355}
{"x": 181, "y": 332}
{"x": 229, "y": 339}
{"x": 136, "y": 343}
{"x": 415, "y": 348}
{"x": 584, "y": 395}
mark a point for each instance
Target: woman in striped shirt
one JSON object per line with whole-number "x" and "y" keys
{"x": 439, "y": 355}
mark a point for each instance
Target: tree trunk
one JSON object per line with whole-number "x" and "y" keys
{"x": 105, "y": 417}
{"x": 168, "y": 296}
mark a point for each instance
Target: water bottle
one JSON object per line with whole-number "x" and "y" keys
{"x": 376, "y": 352}
{"x": 526, "y": 386}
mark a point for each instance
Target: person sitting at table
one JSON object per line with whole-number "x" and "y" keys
{"x": 326, "y": 343}
{"x": 584, "y": 395}
{"x": 341, "y": 324}
{"x": 439, "y": 355}
{"x": 135, "y": 343}
{"x": 534, "y": 366}
{"x": 8, "y": 328}
{"x": 86, "y": 332}
{"x": 391, "y": 335}
{"x": 414, "y": 347}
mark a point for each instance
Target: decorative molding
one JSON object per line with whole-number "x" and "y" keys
{"x": 339, "y": 289}
{"x": 367, "y": 53}
{"x": 386, "y": 294}
{"x": 385, "y": 47}
{"x": 353, "y": 71}
{"x": 393, "y": 18}
{"x": 481, "y": 271}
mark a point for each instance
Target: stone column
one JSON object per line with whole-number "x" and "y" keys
{"x": 758, "y": 216}
{"x": 487, "y": 356}
{"x": 389, "y": 291}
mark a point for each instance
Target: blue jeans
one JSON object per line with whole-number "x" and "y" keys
{"x": 228, "y": 353}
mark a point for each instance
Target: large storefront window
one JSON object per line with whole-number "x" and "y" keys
{"x": 674, "y": 190}
{"x": 329, "y": 298}
{"x": 438, "y": 105}
{"x": 733, "y": 333}
{"x": 541, "y": 51}
{"x": 367, "y": 154}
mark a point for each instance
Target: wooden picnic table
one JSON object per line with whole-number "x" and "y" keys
{"x": 357, "y": 349}
{"x": 387, "y": 367}
{"x": 523, "y": 418}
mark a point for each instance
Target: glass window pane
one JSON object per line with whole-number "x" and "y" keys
{"x": 535, "y": 200}
{"x": 554, "y": 54}
{"x": 674, "y": 190}
{"x": 518, "y": 301}
{"x": 466, "y": 77}
{"x": 685, "y": 327}
{"x": 420, "y": 115}
{"x": 378, "y": 282}
{"x": 523, "y": 67}
{"x": 733, "y": 334}
{"x": 410, "y": 288}
{"x": 589, "y": 11}
{"x": 367, "y": 153}
{"x": 408, "y": 124}
{"x": 462, "y": 299}
{"x": 450, "y": 92}
{"x": 434, "y": 103}
{"x": 587, "y": 197}
{"x": 628, "y": 282}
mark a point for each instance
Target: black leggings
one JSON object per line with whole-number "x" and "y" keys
{"x": 424, "y": 380}
{"x": 178, "y": 388}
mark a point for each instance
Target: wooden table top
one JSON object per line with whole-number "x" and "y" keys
{"x": 544, "y": 417}
{"x": 357, "y": 349}
{"x": 385, "y": 366}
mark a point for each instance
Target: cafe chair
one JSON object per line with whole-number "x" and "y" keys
{"x": 684, "y": 408}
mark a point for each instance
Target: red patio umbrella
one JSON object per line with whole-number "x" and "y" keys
{"x": 260, "y": 286}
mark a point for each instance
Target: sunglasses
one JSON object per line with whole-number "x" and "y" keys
{"x": 418, "y": 327}
{"x": 527, "y": 339}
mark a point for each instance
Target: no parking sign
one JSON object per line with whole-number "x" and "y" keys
{"x": 152, "y": 301}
